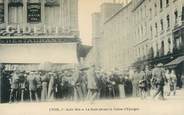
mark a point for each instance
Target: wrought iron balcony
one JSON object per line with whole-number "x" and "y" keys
{"x": 15, "y": 2}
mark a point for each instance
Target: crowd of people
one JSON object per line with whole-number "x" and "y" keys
{"x": 89, "y": 83}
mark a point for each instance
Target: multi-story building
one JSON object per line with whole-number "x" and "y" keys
{"x": 60, "y": 15}
{"x": 38, "y": 31}
{"x": 142, "y": 32}
{"x": 107, "y": 35}
{"x": 155, "y": 23}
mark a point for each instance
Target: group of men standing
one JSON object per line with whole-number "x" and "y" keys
{"x": 158, "y": 82}
{"x": 89, "y": 83}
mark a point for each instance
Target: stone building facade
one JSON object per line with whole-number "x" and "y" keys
{"x": 34, "y": 32}
{"x": 59, "y": 17}
{"x": 141, "y": 32}
{"x": 154, "y": 24}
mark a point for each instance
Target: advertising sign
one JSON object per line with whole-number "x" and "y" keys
{"x": 34, "y": 13}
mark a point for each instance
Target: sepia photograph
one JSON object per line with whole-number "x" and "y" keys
{"x": 92, "y": 57}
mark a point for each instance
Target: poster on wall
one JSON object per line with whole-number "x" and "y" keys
{"x": 1, "y": 13}
{"x": 34, "y": 13}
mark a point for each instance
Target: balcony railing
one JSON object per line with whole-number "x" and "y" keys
{"x": 15, "y": 2}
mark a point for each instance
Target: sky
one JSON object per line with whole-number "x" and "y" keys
{"x": 86, "y": 8}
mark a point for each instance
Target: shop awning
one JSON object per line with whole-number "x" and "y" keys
{"x": 36, "y": 53}
{"x": 175, "y": 62}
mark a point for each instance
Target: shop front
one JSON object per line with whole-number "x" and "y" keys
{"x": 34, "y": 54}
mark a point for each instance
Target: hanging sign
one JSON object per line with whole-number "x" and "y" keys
{"x": 34, "y": 13}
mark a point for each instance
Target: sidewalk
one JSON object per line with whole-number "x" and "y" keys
{"x": 173, "y": 105}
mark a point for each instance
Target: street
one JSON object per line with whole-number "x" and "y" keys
{"x": 173, "y": 105}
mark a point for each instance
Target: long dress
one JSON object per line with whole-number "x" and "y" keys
{"x": 51, "y": 89}
{"x": 167, "y": 86}
{"x": 121, "y": 88}
{"x": 92, "y": 85}
{"x": 44, "y": 88}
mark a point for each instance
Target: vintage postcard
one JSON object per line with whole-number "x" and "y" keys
{"x": 84, "y": 57}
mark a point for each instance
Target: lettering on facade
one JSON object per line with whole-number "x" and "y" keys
{"x": 30, "y": 67}
{"x": 34, "y": 30}
{"x": 1, "y": 13}
{"x": 34, "y": 12}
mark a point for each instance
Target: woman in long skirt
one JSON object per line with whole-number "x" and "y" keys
{"x": 167, "y": 84}
{"x": 44, "y": 88}
{"x": 122, "y": 87}
{"x": 51, "y": 88}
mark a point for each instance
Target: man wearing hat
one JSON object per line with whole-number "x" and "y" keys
{"x": 159, "y": 75}
{"x": 81, "y": 84}
{"x": 51, "y": 86}
{"x": 148, "y": 76}
{"x": 32, "y": 86}
{"x": 22, "y": 83}
{"x": 92, "y": 84}
{"x": 14, "y": 81}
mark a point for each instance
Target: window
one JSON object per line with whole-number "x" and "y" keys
{"x": 169, "y": 45}
{"x": 178, "y": 43}
{"x": 138, "y": 33}
{"x": 162, "y": 24}
{"x": 141, "y": 13}
{"x": 162, "y": 48}
{"x": 145, "y": 13}
{"x": 157, "y": 52}
{"x": 167, "y": 2}
{"x": 182, "y": 17}
{"x": 161, "y": 4}
{"x": 142, "y": 31}
{"x": 151, "y": 30}
{"x": 155, "y": 9}
{"x": 176, "y": 16}
{"x": 168, "y": 21}
{"x": 156, "y": 28}
{"x": 150, "y": 13}
{"x": 1, "y": 13}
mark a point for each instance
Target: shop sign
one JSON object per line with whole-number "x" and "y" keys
{"x": 34, "y": 13}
